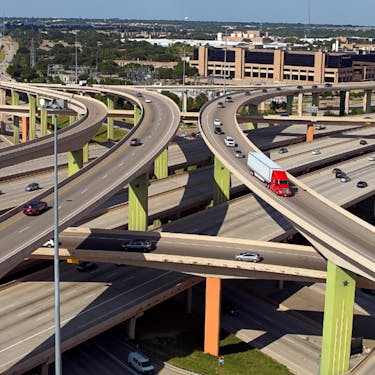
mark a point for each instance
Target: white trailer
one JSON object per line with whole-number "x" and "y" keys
{"x": 262, "y": 166}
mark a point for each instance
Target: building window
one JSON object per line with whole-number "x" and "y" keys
{"x": 270, "y": 75}
{"x": 255, "y": 74}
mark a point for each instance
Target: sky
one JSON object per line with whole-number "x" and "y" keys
{"x": 339, "y": 12}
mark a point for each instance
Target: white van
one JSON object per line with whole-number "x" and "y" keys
{"x": 140, "y": 363}
{"x": 229, "y": 142}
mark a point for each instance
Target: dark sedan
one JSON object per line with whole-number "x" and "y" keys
{"x": 34, "y": 208}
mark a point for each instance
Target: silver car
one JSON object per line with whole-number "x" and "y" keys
{"x": 238, "y": 154}
{"x": 137, "y": 245}
{"x": 248, "y": 257}
{"x": 32, "y": 186}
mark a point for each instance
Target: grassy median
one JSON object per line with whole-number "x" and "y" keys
{"x": 177, "y": 338}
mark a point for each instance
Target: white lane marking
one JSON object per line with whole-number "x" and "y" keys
{"x": 109, "y": 354}
{"x": 23, "y": 229}
{"x": 105, "y": 176}
{"x": 83, "y": 191}
{"x": 88, "y": 310}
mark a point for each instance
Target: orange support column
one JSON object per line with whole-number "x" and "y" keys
{"x": 25, "y": 129}
{"x": 212, "y": 316}
{"x": 310, "y": 133}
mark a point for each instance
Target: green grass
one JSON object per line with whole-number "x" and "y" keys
{"x": 2, "y": 55}
{"x": 184, "y": 350}
{"x": 101, "y": 134}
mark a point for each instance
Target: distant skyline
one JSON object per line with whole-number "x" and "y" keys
{"x": 338, "y": 12}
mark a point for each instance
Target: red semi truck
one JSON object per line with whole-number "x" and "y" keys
{"x": 269, "y": 172}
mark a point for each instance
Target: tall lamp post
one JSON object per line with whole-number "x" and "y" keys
{"x": 55, "y": 109}
{"x": 184, "y": 60}
{"x": 225, "y": 62}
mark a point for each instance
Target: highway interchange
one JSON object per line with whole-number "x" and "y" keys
{"x": 354, "y": 190}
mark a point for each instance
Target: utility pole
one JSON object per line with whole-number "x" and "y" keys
{"x": 225, "y": 62}
{"x": 76, "y": 58}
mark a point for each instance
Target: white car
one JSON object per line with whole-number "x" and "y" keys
{"x": 229, "y": 142}
{"x": 371, "y": 158}
{"x": 345, "y": 178}
{"x": 319, "y": 127}
{"x": 50, "y": 243}
{"x": 315, "y": 152}
{"x": 140, "y": 363}
{"x": 148, "y": 100}
{"x": 248, "y": 257}
{"x": 217, "y": 122}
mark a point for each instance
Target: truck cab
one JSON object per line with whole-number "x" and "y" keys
{"x": 279, "y": 183}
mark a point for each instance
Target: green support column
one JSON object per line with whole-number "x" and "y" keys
{"x": 221, "y": 182}
{"x": 43, "y": 121}
{"x": 110, "y": 132}
{"x": 184, "y": 98}
{"x": 85, "y": 153}
{"x": 161, "y": 165}
{"x": 367, "y": 105}
{"x": 338, "y": 320}
{"x": 253, "y": 109}
{"x": 315, "y": 99}
{"x": 32, "y": 114}
{"x": 75, "y": 161}
{"x": 16, "y": 119}
{"x": 137, "y": 114}
{"x": 138, "y": 203}
{"x": 289, "y": 104}
{"x": 342, "y": 103}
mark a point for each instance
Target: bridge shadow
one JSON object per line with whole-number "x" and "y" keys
{"x": 111, "y": 293}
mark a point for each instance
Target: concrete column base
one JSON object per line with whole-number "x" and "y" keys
{"x": 212, "y": 316}
{"x": 131, "y": 324}
{"x": 44, "y": 369}
{"x": 310, "y": 133}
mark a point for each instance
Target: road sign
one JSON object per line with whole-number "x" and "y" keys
{"x": 312, "y": 109}
{"x": 220, "y": 361}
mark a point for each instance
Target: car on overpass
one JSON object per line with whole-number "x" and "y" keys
{"x": 138, "y": 245}
{"x": 218, "y": 130}
{"x": 35, "y": 208}
{"x": 362, "y": 184}
{"x": 135, "y": 142}
{"x": 32, "y": 186}
{"x": 229, "y": 142}
{"x": 248, "y": 256}
{"x": 86, "y": 266}
{"x": 238, "y": 153}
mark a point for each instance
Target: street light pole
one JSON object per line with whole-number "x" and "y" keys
{"x": 225, "y": 62}
{"x": 56, "y": 264}
{"x": 56, "y": 250}
{"x": 183, "y": 81}
{"x": 76, "y": 59}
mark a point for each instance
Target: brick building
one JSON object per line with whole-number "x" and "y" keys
{"x": 283, "y": 66}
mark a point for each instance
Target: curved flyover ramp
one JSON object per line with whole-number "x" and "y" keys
{"x": 71, "y": 138}
{"x": 92, "y": 185}
{"x": 339, "y": 236}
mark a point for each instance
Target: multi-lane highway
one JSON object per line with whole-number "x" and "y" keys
{"x": 93, "y": 184}
{"x": 230, "y": 156}
{"x": 341, "y": 237}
